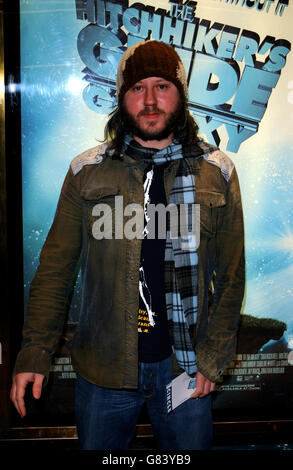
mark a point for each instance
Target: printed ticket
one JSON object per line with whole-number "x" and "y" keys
{"x": 179, "y": 390}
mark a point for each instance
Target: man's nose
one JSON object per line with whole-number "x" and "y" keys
{"x": 149, "y": 96}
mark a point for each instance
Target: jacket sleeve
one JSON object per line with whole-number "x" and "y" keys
{"x": 217, "y": 349}
{"x": 52, "y": 284}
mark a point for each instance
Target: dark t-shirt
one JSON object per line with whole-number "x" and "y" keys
{"x": 154, "y": 340}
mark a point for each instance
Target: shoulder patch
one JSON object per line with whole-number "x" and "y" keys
{"x": 222, "y": 161}
{"x": 92, "y": 156}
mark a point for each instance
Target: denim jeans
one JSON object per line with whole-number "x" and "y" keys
{"x": 106, "y": 419}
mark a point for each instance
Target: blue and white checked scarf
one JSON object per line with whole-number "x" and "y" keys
{"x": 181, "y": 259}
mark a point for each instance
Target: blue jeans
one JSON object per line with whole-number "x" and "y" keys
{"x": 106, "y": 419}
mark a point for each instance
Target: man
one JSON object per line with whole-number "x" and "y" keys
{"x": 144, "y": 316}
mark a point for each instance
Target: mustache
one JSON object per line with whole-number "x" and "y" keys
{"x": 150, "y": 110}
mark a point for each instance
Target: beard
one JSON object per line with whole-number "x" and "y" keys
{"x": 171, "y": 124}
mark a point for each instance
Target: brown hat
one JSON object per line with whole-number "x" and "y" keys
{"x": 150, "y": 59}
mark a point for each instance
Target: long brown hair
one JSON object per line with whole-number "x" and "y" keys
{"x": 185, "y": 131}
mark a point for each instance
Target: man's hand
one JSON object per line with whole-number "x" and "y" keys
{"x": 19, "y": 385}
{"x": 203, "y": 386}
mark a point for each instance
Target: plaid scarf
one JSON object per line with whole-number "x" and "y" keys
{"x": 181, "y": 260}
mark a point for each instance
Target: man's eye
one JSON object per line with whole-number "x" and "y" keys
{"x": 162, "y": 86}
{"x": 137, "y": 88}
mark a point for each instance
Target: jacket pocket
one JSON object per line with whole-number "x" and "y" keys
{"x": 100, "y": 204}
{"x": 210, "y": 203}
{"x": 97, "y": 193}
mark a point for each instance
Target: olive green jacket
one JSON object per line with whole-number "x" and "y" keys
{"x": 104, "y": 347}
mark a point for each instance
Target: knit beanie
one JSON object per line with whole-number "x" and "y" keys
{"x": 150, "y": 59}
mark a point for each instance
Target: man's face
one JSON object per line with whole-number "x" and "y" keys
{"x": 151, "y": 109}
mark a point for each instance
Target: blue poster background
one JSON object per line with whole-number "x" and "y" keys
{"x": 60, "y": 119}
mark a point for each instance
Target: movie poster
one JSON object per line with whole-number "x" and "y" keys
{"x": 237, "y": 54}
